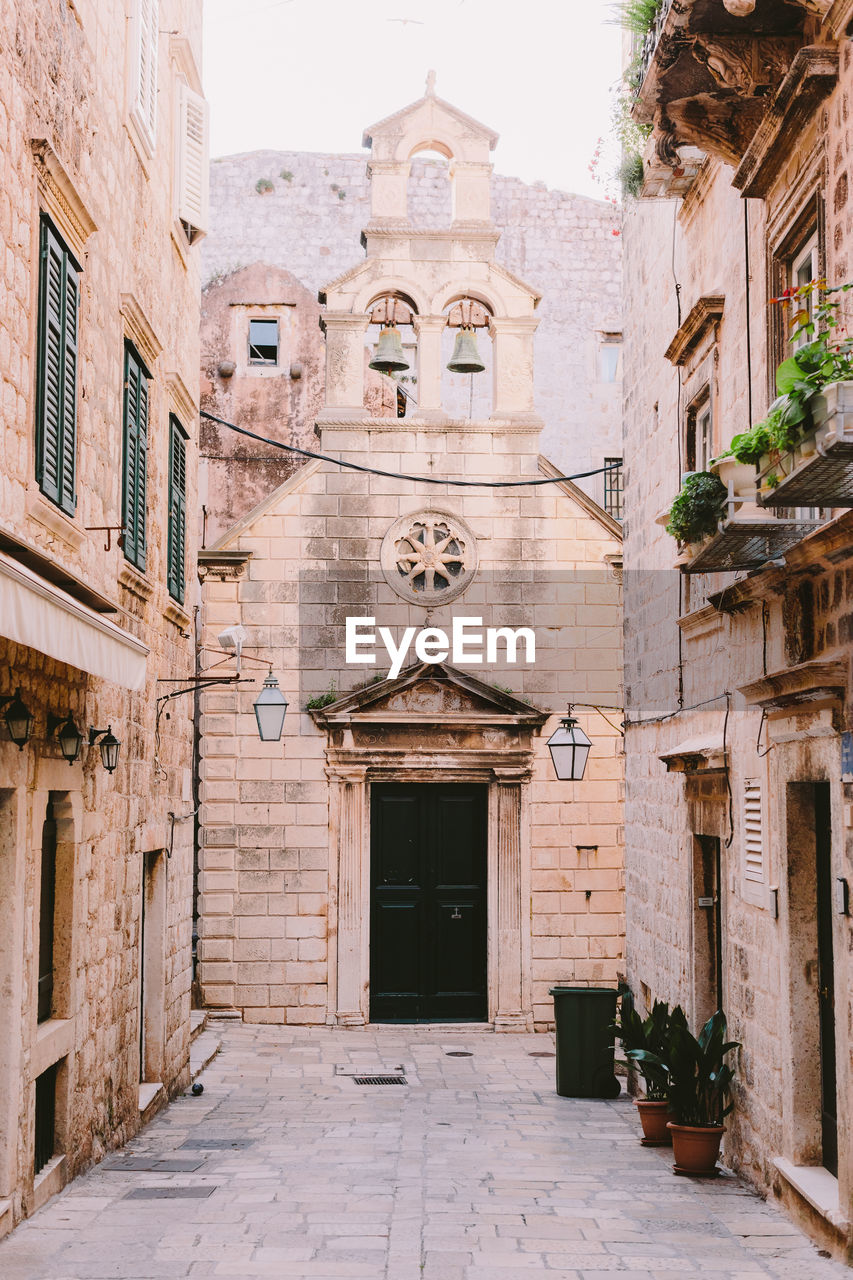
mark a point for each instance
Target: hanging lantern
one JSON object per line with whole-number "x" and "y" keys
{"x": 388, "y": 356}
{"x": 466, "y": 357}
{"x": 270, "y": 708}
{"x": 109, "y": 747}
{"x": 739, "y": 8}
{"x": 70, "y": 739}
{"x": 569, "y": 747}
{"x": 19, "y": 720}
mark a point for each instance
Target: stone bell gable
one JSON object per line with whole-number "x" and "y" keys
{"x": 427, "y": 271}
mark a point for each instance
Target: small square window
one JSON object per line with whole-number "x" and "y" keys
{"x": 610, "y": 357}
{"x": 263, "y": 342}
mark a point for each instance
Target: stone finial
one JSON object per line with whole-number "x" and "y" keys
{"x": 430, "y": 84}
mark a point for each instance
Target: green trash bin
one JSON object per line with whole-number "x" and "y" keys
{"x": 583, "y": 1016}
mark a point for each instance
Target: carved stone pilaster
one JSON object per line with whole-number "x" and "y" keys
{"x": 351, "y": 941}
{"x": 513, "y": 1012}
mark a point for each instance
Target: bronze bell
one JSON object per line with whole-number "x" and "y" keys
{"x": 466, "y": 357}
{"x": 388, "y": 356}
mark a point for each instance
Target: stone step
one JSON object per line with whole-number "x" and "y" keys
{"x": 202, "y": 1052}
{"x": 198, "y": 1022}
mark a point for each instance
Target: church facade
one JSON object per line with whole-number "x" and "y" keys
{"x": 406, "y": 851}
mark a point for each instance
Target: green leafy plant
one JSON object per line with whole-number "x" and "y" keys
{"x": 631, "y": 174}
{"x": 322, "y": 699}
{"x": 699, "y": 1077}
{"x": 638, "y": 16}
{"x": 772, "y": 480}
{"x": 263, "y": 186}
{"x": 645, "y": 1036}
{"x": 698, "y": 508}
{"x": 286, "y": 174}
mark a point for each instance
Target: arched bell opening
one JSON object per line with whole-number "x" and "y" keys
{"x": 467, "y": 359}
{"x": 429, "y": 188}
{"x": 390, "y": 384}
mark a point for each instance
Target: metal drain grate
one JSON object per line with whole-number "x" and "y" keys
{"x": 536, "y": 1053}
{"x": 458, "y": 1053}
{"x": 379, "y": 1079}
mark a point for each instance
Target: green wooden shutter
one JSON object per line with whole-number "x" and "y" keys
{"x": 56, "y": 398}
{"x": 177, "y": 509}
{"x": 135, "y": 456}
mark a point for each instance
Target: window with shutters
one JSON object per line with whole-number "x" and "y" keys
{"x": 135, "y": 458}
{"x": 145, "y": 24}
{"x": 753, "y": 831}
{"x": 56, "y": 391}
{"x": 177, "y": 508}
{"x": 191, "y": 162}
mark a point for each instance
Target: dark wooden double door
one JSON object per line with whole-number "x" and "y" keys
{"x": 428, "y": 902}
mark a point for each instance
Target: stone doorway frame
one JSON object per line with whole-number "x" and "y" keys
{"x": 427, "y": 726}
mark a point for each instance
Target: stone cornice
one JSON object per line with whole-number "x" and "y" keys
{"x": 704, "y": 315}
{"x": 816, "y": 681}
{"x": 60, "y": 196}
{"x": 224, "y": 565}
{"x": 139, "y": 329}
{"x": 812, "y": 75}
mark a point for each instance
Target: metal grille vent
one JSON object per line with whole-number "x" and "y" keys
{"x": 380, "y": 1079}
{"x": 753, "y": 831}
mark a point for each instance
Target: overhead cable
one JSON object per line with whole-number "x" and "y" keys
{"x": 397, "y": 475}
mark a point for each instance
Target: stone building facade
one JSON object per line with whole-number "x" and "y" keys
{"x": 406, "y": 851}
{"x": 738, "y": 848}
{"x": 300, "y": 215}
{"x": 103, "y": 136}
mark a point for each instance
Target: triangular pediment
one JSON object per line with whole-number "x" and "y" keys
{"x": 437, "y": 111}
{"x": 428, "y": 693}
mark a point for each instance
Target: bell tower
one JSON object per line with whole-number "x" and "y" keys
{"x": 434, "y": 278}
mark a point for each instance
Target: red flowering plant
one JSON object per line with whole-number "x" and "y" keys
{"x": 826, "y": 356}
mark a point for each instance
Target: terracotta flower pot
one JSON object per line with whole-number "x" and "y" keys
{"x": 696, "y": 1148}
{"x": 653, "y": 1118}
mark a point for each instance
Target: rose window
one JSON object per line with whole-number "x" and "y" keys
{"x": 429, "y": 557}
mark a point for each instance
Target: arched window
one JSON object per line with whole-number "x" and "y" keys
{"x": 467, "y": 395}
{"x": 429, "y": 195}
{"x": 391, "y": 393}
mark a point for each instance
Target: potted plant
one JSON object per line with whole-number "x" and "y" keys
{"x": 699, "y": 1087}
{"x": 698, "y": 509}
{"x": 648, "y": 1035}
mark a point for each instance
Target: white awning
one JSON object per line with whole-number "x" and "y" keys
{"x": 40, "y": 616}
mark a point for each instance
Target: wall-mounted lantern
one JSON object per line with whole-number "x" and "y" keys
{"x": 109, "y": 747}
{"x": 270, "y": 708}
{"x": 19, "y": 719}
{"x": 68, "y": 736}
{"x": 569, "y": 747}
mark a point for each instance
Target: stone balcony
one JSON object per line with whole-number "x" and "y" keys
{"x": 736, "y": 87}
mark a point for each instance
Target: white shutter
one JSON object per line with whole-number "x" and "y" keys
{"x": 192, "y": 159}
{"x": 146, "y": 31}
{"x": 753, "y": 831}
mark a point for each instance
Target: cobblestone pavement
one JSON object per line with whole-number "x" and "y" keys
{"x": 475, "y": 1170}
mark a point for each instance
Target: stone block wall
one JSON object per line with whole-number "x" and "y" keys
{"x": 269, "y": 904}
{"x": 64, "y": 129}
{"x": 683, "y": 681}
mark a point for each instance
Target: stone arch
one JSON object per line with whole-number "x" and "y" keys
{"x": 405, "y": 289}
{"x": 493, "y": 301}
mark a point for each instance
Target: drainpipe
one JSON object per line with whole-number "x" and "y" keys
{"x": 196, "y": 789}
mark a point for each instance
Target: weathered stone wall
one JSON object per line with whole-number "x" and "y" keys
{"x": 563, "y": 244}
{"x": 63, "y": 79}
{"x": 682, "y": 682}
{"x": 269, "y": 862}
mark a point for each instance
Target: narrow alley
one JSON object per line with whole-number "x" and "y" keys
{"x": 473, "y": 1170}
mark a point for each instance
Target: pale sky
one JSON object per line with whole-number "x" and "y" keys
{"x": 310, "y": 75}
